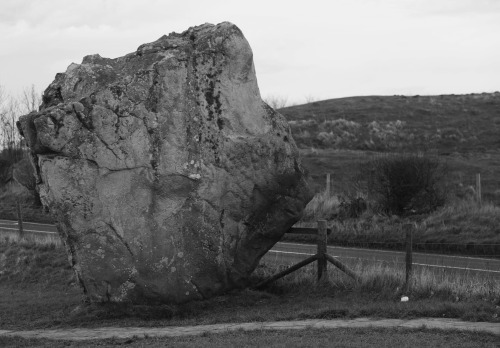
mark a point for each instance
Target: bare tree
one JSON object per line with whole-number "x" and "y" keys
{"x": 30, "y": 99}
{"x": 276, "y": 102}
{"x": 10, "y": 139}
{"x": 310, "y": 99}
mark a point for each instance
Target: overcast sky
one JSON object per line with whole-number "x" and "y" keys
{"x": 308, "y": 48}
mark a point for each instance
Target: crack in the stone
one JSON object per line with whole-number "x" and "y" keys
{"x": 108, "y": 147}
{"x": 128, "y": 168}
{"x": 197, "y": 289}
{"x": 120, "y": 238}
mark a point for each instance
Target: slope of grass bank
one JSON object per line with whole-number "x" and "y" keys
{"x": 461, "y": 227}
{"x": 39, "y": 291}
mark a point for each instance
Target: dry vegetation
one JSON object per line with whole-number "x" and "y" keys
{"x": 449, "y": 123}
{"x": 461, "y": 227}
{"x": 39, "y": 290}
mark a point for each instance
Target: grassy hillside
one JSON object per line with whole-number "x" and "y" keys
{"x": 336, "y": 136}
{"x": 446, "y": 123}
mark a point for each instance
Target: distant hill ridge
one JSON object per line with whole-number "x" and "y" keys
{"x": 447, "y": 123}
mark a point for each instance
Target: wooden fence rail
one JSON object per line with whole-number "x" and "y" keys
{"x": 321, "y": 256}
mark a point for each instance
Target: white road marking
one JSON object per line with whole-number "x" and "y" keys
{"x": 25, "y": 230}
{"x": 27, "y": 222}
{"x": 395, "y": 252}
{"x": 289, "y": 252}
{"x": 462, "y": 268}
{"x": 416, "y": 264}
{"x": 331, "y": 247}
{"x": 7, "y": 222}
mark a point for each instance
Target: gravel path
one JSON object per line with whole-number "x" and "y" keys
{"x": 81, "y": 334}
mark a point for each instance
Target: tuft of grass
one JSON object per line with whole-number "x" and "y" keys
{"x": 465, "y": 220}
{"x": 322, "y": 206}
{"x": 33, "y": 260}
{"x": 31, "y": 239}
{"x": 386, "y": 280}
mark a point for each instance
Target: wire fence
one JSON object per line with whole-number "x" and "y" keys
{"x": 471, "y": 249}
{"x": 23, "y": 212}
{"x": 405, "y": 260}
{"x": 369, "y": 241}
{"x": 356, "y": 263}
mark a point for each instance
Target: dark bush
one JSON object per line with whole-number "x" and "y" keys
{"x": 352, "y": 208}
{"x": 406, "y": 184}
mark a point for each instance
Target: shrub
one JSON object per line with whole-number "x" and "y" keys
{"x": 322, "y": 206}
{"x": 406, "y": 184}
{"x": 352, "y": 208}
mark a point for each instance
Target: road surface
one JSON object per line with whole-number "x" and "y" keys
{"x": 293, "y": 252}
{"x": 289, "y": 253}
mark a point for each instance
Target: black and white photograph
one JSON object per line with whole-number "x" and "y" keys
{"x": 250, "y": 173}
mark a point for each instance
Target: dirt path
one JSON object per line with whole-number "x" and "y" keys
{"x": 172, "y": 331}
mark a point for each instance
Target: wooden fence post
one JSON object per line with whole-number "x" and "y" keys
{"x": 328, "y": 185}
{"x": 287, "y": 271}
{"x": 370, "y": 185}
{"x": 19, "y": 220}
{"x": 408, "y": 228}
{"x": 322, "y": 239}
{"x": 478, "y": 188}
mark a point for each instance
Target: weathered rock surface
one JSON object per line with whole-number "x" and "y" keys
{"x": 168, "y": 175}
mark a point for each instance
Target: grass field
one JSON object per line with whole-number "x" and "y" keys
{"x": 39, "y": 291}
{"x": 446, "y": 123}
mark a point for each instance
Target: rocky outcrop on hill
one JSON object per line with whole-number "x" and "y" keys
{"x": 168, "y": 175}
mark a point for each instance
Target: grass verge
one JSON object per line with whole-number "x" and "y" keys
{"x": 345, "y": 337}
{"x": 39, "y": 291}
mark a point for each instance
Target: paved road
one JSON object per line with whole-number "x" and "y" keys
{"x": 30, "y": 227}
{"x": 293, "y": 252}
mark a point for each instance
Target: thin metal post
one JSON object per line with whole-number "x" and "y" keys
{"x": 19, "y": 220}
{"x": 408, "y": 228}
{"x": 322, "y": 239}
{"x": 328, "y": 185}
{"x": 478, "y": 188}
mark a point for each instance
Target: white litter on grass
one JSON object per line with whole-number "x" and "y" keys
{"x": 404, "y": 299}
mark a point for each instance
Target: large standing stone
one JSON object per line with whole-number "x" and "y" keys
{"x": 168, "y": 175}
